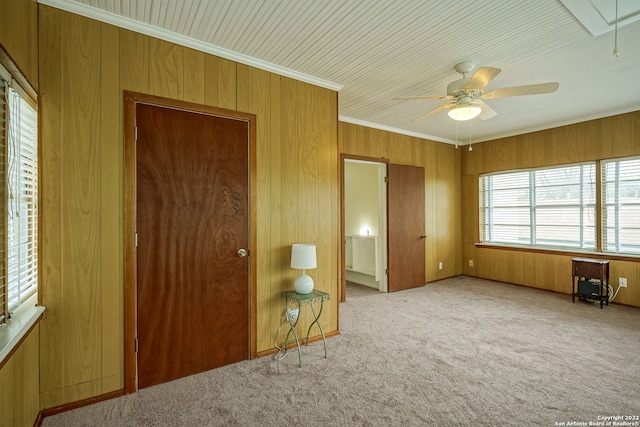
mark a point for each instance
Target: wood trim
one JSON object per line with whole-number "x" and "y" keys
{"x": 342, "y": 297}
{"x": 38, "y": 420}
{"x": 130, "y": 280}
{"x": 545, "y": 290}
{"x": 596, "y": 255}
{"x": 78, "y": 404}
{"x": 130, "y": 271}
{"x": 598, "y": 208}
{"x": 343, "y": 157}
{"x": 20, "y": 341}
{"x": 7, "y": 61}
{"x": 273, "y": 351}
{"x": 253, "y": 236}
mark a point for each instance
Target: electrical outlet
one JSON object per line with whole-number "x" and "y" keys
{"x": 470, "y": 263}
{"x": 292, "y": 314}
{"x": 440, "y": 265}
{"x": 622, "y": 282}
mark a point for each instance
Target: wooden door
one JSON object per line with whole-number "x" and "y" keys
{"x": 405, "y": 198}
{"x": 191, "y": 220}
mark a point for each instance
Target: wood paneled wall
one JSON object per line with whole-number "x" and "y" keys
{"x": 615, "y": 136}
{"x": 19, "y": 376}
{"x": 19, "y": 403}
{"x": 85, "y": 67}
{"x": 442, "y": 164}
{"x": 19, "y": 35}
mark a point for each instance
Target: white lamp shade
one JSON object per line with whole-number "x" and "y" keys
{"x": 464, "y": 112}
{"x": 303, "y": 256}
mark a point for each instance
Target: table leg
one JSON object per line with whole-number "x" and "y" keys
{"x": 292, "y": 328}
{"x": 315, "y": 320}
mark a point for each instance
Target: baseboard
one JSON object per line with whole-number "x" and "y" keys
{"x": 79, "y": 404}
{"x": 38, "y": 420}
{"x": 273, "y": 351}
{"x": 546, "y": 290}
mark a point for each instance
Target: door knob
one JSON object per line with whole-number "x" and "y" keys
{"x": 242, "y": 252}
{"x": 423, "y": 237}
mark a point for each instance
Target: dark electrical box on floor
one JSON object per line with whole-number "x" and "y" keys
{"x": 588, "y": 289}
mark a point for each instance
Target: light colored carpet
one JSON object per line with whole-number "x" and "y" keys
{"x": 459, "y": 352}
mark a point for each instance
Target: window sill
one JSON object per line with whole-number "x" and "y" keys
{"x": 560, "y": 251}
{"x": 15, "y": 330}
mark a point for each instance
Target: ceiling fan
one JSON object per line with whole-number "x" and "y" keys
{"x": 465, "y": 95}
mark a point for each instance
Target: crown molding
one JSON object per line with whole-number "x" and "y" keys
{"x": 394, "y": 130}
{"x": 166, "y": 35}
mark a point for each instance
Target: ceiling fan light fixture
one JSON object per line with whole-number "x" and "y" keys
{"x": 464, "y": 112}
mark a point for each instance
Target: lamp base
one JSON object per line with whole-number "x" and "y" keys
{"x": 303, "y": 284}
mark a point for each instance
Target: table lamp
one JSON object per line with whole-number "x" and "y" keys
{"x": 303, "y": 257}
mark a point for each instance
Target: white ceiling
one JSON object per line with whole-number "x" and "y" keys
{"x": 374, "y": 50}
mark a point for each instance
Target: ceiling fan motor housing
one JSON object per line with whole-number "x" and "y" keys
{"x": 455, "y": 89}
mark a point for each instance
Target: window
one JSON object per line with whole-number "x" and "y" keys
{"x": 19, "y": 175}
{"x": 550, "y": 207}
{"x": 621, "y": 206}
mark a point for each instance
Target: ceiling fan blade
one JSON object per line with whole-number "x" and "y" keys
{"x": 421, "y": 97}
{"x": 434, "y": 111}
{"x": 520, "y": 90}
{"x": 487, "y": 112}
{"x": 481, "y": 78}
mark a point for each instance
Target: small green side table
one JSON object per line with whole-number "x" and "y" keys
{"x": 294, "y": 300}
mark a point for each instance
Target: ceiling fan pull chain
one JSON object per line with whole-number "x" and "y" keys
{"x": 616, "y": 52}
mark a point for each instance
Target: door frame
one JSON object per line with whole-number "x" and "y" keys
{"x": 130, "y": 252}
{"x": 343, "y": 271}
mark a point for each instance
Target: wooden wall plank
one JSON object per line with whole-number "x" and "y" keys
{"x": 254, "y": 94}
{"x": 523, "y": 146}
{"x": 134, "y": 62}
{"x": 51, "y": 198}
{"x": 80, "y": 212}
{"x": 193, "y": 72}
{"x": 622, "y": 137}
{"x": 379, "y": 143}
{"x": 625, "y": 269}
{"x": 278, "y": 255}
{"x": 636, "y": 132}
{"x": 111, "y": 206}
{"x": 327, "y": 190}
{"x": 330, "y": 115}
{"x": 19, "y": 35}
{"x": 432, "y": 214}
{"x": 220, "y": 82}
{"x": 19, "y": 384}
{"x": 166, "y": 71}
{"x": 290, "y": 176}
{"x": 307, "y": 165}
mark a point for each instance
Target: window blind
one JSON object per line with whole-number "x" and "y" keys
{"x": 621, "y": 205}
{"x": 4, "y": 87}
{"x": 505, "y": 208}
{"x": 21, "y": 207}
{"x": 549, "y": 207}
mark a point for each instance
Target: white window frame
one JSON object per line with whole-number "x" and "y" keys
{"x": 528, "y": 231}
{"x": 24, "y": 310}
{"x": 621, "y": 205}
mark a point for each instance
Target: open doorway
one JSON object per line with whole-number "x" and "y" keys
{"x": 365, "y": 224}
